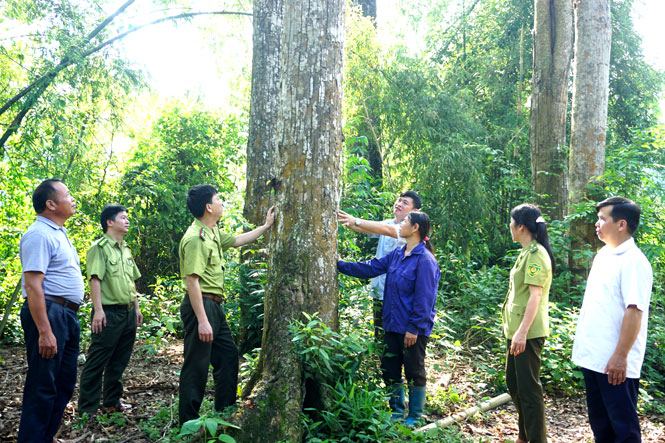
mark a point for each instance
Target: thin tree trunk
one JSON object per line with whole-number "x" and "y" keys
{"x": 370, "y": 128}
{"x": 368, "y": 7}
{"x": 593, "y": 36}
{"x": 302, "y": 275}
{"x": 10, "y": 305}
{"x": 552, "y": 49}
{"x": 34, "y": 90}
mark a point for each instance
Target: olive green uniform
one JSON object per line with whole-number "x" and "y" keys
{"x": 109, "y": 352}
{"x": 201, "y": 254}
{"x": 532, "y": 267}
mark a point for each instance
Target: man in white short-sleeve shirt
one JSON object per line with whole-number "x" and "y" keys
{"x": 611, "y": 335}
{"x": 387, "y": 232}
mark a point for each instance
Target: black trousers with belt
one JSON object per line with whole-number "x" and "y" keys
{"x": 221, "y": 353}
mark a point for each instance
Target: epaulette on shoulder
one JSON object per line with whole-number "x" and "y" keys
{"x": 533, "y": 248}
{"x": 102, "y": 242}
{"x": 202, "y": 234}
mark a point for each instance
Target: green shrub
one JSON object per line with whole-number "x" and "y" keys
{"x": 347, "y": 367}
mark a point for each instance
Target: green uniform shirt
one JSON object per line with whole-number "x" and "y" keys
{"x": 532, "y": 267}
{"x": 113, "y": 264}
{"x": 201, "y": 254}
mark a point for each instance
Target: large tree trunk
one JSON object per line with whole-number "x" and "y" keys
{"x": 593, "y": 35}
{"x": 552, "y": 49}
{"x": 302, "y": 275}
{"x": 261, "y": 151}
{"x": 262, "y": 138}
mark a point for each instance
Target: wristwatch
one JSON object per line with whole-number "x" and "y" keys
{"x": 358, "y": 221}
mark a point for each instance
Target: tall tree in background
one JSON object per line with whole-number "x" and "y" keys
{"x": 368, "y": 7}
{"x": 261, "y": 154}
{"x": 369, "y": 124}
{"x": 302, "y": 275}
{"x": 552, "y": 49}
{"x": 593, "y": 35}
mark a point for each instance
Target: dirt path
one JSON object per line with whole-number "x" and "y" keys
{"x": 151, "y": 383}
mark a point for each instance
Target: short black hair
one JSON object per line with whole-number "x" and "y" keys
{"x": 417, "y": 201}
{"x": 198, "y": 197}
{"x": 43, "y": 192}
{"x": 623, "y": 209}
{"x": 109, "y": 213}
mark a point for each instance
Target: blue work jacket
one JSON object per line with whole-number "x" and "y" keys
{"x": 410, "y": 291}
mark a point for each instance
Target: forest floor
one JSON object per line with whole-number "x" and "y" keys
{"x": 151, "y": 383}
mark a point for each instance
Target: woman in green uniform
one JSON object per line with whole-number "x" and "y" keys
{"x": 525, "y": 320}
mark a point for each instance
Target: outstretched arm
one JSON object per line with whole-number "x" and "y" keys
{"x": 367, "y": 269}
{"x": 366, "y": 226}
{"x": 249, "y": 237}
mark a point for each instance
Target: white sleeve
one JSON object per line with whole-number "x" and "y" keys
{"x": 636, "y": 282}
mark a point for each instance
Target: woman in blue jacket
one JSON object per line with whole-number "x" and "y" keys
{"x": 412, "y": 278}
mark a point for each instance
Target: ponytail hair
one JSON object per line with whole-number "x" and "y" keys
{"x": 530, "y": 217}
{"x": 424, "y": 225}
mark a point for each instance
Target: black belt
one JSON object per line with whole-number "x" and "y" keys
{"x": 123, "y": 306}
{"x": 61, "y": 301}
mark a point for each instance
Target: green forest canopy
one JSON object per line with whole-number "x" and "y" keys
{"x": 450, "y": 120}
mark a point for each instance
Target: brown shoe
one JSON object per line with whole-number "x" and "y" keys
{"x": 118, "y": 407}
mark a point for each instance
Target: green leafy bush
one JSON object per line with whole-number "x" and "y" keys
{"x": 347, "y": 366}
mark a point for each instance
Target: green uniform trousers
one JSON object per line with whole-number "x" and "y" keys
{"x": 108, "y": 355}
{"x": 222, "y": 353}
{"x": 523, "y": 382}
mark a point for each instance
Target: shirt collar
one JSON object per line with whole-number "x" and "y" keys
{"x": 50, "y": 223}
{"x": 623, "y": 247}
{"x": 418, "y": 250}
{"x": 111, "y": 240}
{"x": 198, "y": 224}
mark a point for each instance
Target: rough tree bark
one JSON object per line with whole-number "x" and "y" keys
{"x": 262, "y": 139}
{"x": 593, "y": 36}
{"x": 552, "y": 50}
{"x": 302, "y": 275}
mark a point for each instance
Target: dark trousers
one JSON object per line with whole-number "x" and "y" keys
{"x": 377, "y": 309}
{"x": 222, "y": 353}
{"x": 612, "y": 408}
{"x": 49, "y": 383}
{"x": 396, "y": 355}
{"x": 523, "y": 382}
{"x": 108, "y": 355}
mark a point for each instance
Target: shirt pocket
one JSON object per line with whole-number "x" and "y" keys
{"x": 406, "y": 283}
{"x": 515, "y": 316}
{"x": 114, "y": 266}
{"x": 215, "y": 260}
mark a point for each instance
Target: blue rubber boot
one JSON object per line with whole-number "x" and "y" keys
{"x": 416, "y": 404}
{"x": 396, "y": 401}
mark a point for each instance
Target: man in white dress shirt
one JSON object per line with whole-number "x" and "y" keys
{"x": 612, "y": 327}
{"x": 387, "y": 232}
